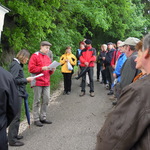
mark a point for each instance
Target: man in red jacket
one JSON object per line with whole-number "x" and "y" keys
{"x": 87, "y": 59}
{"x": 39, "y": 63}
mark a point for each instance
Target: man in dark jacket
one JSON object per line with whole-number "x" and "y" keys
{"x": 8, "y": 105}
{"x": 109, "y": 69}
{"x": 128, "y": 126}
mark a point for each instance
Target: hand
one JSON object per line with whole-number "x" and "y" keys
{"x": 53, "y": 69}
{"x": 29, "y": 79}
{"x": 45, "y": 68}
{"x": 114, "y": 75}
{"x": 103, "y": 58}
{"x": 86, "y": 63}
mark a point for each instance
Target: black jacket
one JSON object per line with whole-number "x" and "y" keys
{"x": 108, "y": 57}
{"x": 8, "y": 98}
{"x": 16, "y": 69}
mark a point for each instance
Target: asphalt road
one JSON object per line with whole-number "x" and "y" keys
{"x": 76, "y": 121}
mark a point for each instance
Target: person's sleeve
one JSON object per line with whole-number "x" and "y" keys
{"x": 93, "y": 58}
{"x": 33, "y": 65}
{"x": 14, "y": 70}
{"x": 12, "y": 102}
{"x": 127, "y": 74}
{"x": 81, "y": 58}
{"x": 112, "y": 63}
{"x": 73, "y": 60}
{"x": 126, "y": 124}
{"x": 62, "y": 60}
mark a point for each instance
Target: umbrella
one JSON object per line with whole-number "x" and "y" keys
{"x": 27, "y": 108}
{"x": 83, "y": 72}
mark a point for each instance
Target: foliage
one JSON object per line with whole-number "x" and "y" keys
{"x": 66, "y": 23}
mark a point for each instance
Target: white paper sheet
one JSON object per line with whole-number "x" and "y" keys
{"x": 39, "y": 75}
{"x": 54, "y": 64}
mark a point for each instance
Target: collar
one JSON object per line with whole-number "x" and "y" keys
{"x": 16, "y": 60}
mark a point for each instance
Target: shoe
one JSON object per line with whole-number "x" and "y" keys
{"x": 38, "y": 124}
{"x": 110, "y": 93}
{"x": 107, "y": 86}
{"x": 64, "y": 93}
{"x": 19, "y": 137}
{"x": 82, "y": 94}
{"x": 97, "y": 80}
{"x": 46, "y": 122}
{"x": 92, "y": 94}
{"x": 88, "y": 85}
{"x": 68, "y": 93}
{"x": 17, "y": 143}
{"x": 114, "y": 103}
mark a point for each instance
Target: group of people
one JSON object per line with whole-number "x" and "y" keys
{"x": 127, "y": 127}
{"x": 13, "y": 91}
{"x": 85, "y": 58}
{"x": 118, "y": 65}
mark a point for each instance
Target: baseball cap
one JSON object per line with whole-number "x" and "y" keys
{"x": 131, "y": 41}
{"x": 43, "y": 43}
{"x": 88, "y": 41}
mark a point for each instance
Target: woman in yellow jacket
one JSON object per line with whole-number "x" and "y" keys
{"x": 64, "y": 59}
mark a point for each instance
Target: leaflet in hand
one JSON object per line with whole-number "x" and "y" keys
{"x": 39, "y": 75}
{"x": 54, "y": 64}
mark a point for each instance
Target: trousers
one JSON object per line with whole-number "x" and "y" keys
{"x": 91, "y": 82}
{"x": 14, "y": 126}
{"x": 40, "y": 104}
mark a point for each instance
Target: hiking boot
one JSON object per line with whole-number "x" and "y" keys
{"x": 82, "y": 94}
{"x": 92, "y": 94}
{"x": 38, "y": 124}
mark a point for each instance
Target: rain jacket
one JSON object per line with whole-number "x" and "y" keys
{"x": 73, "y": 62}
{"x": 128, "y": 126}
{"x": 88, "y": 55}
{"x": 121, "y": 60}
{"x": 36, "y": 62}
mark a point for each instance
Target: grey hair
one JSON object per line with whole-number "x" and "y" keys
{"x": 146, "y": 42}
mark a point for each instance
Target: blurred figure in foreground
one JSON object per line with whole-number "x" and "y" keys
{"x": 9, "y": 103}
